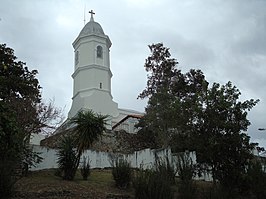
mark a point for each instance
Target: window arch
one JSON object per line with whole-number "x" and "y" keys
{"x": 99, "y": 52}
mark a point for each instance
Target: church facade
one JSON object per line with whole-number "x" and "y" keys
{"x": 92, "y": 78}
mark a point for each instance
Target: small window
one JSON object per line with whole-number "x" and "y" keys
{"x": 76, "y": 57}
{"x": 101, "y": 85}
{"x": 99, "y": 52}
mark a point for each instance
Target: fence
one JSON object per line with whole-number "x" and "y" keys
{"x": 139, "y": 159}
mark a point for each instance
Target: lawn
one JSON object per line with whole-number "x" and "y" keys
{"x": 44, "y": 184}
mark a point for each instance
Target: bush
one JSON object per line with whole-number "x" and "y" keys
{"x": 165, "y": 168}
{"x": 7, "y": 179}
{"x": 67, "y": 158}
{"x": 215, "y": 192}
{"x": 257, "y": 179}
{"x": 186, "y": 171}
{"x": 58, "y": 172}
{"x": 151, "y": 184}
{"x": 121, "y": 172}
{"x": 85, "y": 168}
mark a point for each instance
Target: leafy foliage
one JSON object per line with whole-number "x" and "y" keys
{"x": 11, "y": 145}
{"x": 19, "y": 96}
{"x": 164, "y": 167}
{"x": 155, "y": 182}
{"x": 221, "y": 143}
{"x": 87, "y": 127}
{"x": 121, "y": 172}
{"x": 67, "y": 158}
{"x": 85, "y": 168}
{"x": 186, "y": 171}
{"x": 7, "y": 178}
{"x": 173, "y": 96}
{"x": 30, "y": 159}
{"x": 150, "y": 184}
{"x": 184, "y": 112}
{"x": 256, "y": 179}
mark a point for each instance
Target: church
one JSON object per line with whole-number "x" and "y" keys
{"x": 92, "y": 79}
{"x": 92, "y": 82}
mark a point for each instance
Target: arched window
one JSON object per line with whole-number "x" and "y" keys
{"x": 99, "y": 52}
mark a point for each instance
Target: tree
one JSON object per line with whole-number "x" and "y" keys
{"x": 11, "y": 145}
{"x": 22, "y": 113}
{"x": 88, "y": 127}
{"x": 188, "y": 114}
{"x": 222, "y": 144}
{"x": 161, "y": 71}
{"x": 169, "y": 90}
{"x": 19, "y": 95}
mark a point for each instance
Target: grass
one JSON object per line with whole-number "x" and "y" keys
{"x": 44, "y": 184}
{"x": 100, "y": 185}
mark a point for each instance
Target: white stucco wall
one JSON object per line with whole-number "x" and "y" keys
{"x": 35, "y": 139}
{"x": 144, "y": 158}
{"x": 139, "y": 159}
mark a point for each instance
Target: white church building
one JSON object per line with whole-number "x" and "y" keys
{"x": 92, "y": 81}
{"x": 92, "y": 91}
{"x": 92, "y": 78}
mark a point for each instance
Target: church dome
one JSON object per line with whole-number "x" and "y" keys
{"x": 90, "y": 28}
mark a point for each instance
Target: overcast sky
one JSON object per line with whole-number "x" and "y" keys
{"x": 226, "y": 39}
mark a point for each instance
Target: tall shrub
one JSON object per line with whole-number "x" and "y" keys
{"x": 257, "y": 179}
{"x": 164, "y": 167}
{"x": 186, "y": 172}
{"x": 67, "y": 158}
{"x": 85, "y": 168}
{"x": 151, "y": 184}
{"x": 121, "y": 172}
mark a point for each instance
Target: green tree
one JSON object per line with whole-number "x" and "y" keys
{"x": 222, "y": 144}
{"x": 19, "y": 96}
{"x": 169, "y": 90}
{"x": 21, "y": 114}
{"x": 186, "y": 113}
{"x": 88, "y": 127}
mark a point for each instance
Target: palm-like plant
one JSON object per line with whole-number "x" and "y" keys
{"x": 67, "y": 158}
{"x": 88, "y": 127}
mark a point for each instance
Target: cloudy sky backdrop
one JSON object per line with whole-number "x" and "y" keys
{"x": 225, "y": 39}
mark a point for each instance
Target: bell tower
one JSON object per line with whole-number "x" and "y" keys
{"x": 92, "y": 74}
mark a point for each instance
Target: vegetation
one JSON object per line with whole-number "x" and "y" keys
{"x": 85, "y": 168}
{"x": 121, "y": 172}
{"x": 186, "y": 171}
{"x": 186, "y": 113}
{"x": 164, "y": 167}
{"x": 255, "y": 180}
{"x": 21, "y": 114}
{"x": 87, "y": 127}
{"x": 44, "y": 184}
{"x": 151, "y": 184}
{"x": 67, "y": 158}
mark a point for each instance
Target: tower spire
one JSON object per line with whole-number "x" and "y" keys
{"x": 92, "y": 13}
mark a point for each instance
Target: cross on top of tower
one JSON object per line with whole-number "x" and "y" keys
{"x": 92, "y": 13}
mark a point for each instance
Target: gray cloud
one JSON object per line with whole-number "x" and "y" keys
{"x": 225, "y": 39}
